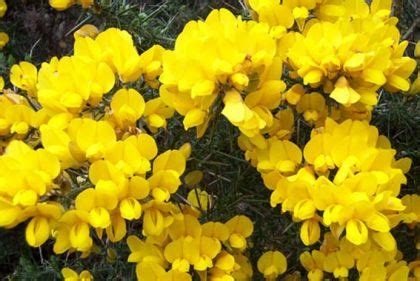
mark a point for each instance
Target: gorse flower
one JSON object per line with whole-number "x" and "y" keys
{"x": 272, "y": 264}
{"x": 62, "y": 5}
{"x": 233, "y": 63}
{"x": 349, "y": 183}
{"x": 24, "y": 76}
{"x": 4, "y": 39}
{"x": 3, "y": 8}
{"x": 190, "y": 245}
{"x": 71, "y": 275}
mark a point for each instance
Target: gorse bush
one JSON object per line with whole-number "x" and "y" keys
{"x": 82, "y": 164}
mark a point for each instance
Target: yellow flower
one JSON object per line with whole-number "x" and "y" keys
{"x": 144, "y": 252}
{"x": 71, "y": 275}
{"x": 199, "y": 199}
{"x": 24, "y": 76}
{"x": 272, "y": 264}
{"x": 3, "y": 8}
{"x": 338, "y": 263}
{"x": 39, "y": 228}
{"x": 73, "y": 232}
{"x": 157, "y": 216}
{"x": 277, "y": 15}
{"x": 343, "y": 93}
{"x": 182, "y": 253}
{"x": 313, "y": 108}
{"x": 231, "y": 68}
{"x": 155, "y": 114}
{"x": 167, "y": 168}
{"x": 127, "y": 107}
{"x": 117, "y": 230}
{"x": 325, "y": 54}
{"x": 4, "y": 39}
{"x": 61, "y": 5}
{"x": 91, "y": 138}
{"x": 16, "y": 116}
{"x": 68, "y": 84}
{"x": 151, "y": 63}
{"x": 98, "y": 202}
{"x": 240, "y": 228}
{"x": 310, "y": 232}
{"x": 55, "y": 139}
{"x": 216, "y": 230}
{"x": 130, "y": 208}
{"x": 283, "y": 156}
{"x": 314, "y": 263}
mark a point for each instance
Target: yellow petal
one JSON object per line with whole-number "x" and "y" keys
{"x": 37, "y": 231}
{"x": 356, "y": 232}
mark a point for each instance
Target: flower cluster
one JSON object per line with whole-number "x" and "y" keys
{"x": 338, "y": 256}
{"x": 344, "y": 56}
{"x": 79, "y": 163}
{"x": 114, "y": 163}
{"x": 232, "y": 68}
{"x": 214, "y": 250}
{"x": 91, "y": 168}
{"x": 346, "y": 179}
{"x": 27, "y": 176}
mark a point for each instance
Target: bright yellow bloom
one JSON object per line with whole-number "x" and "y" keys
{"x": 40, "y": 226}
{"x": 151, "y": 63}
{"x": 55, "y": 139}
{"x": 277, "y": 15}
{"x": 240, "y": 228}
{"x": 314, "y": 264}
{"x": 225, "y": 65}
{"x": 16, "y": 116}
{"x": 182, "y": 253}
{"x": 283, "y": 156}
{"x": 91, "y": 139}
{"x": 156, "y": 113}
{"x": 157, "y": 216}
{"x": 199, "y": 199}
{"x": 69, "y": 84}
{"x": 216, "y": 230}
{"x": 310, "y": 232}
{"x": 73, "y": 232}
{"x": 167, "y": 168}
{"x": 351, "y": 62}
{"x": 26, "y": 175}
{"x": 24, "y": 76}
{"x": 98, "y": 202}
{"x": 338, "y": 263}
{"x": 62, "y": 5}
{"x": 71, "y": 275}
{"x": 272, "y": 264}
{"x": 143, "y": 251}
{"x": 116, "y": 48}
{"x": 127, "y": 106}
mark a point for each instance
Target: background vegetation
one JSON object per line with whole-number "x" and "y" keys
{"x": 38, "y": 33}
